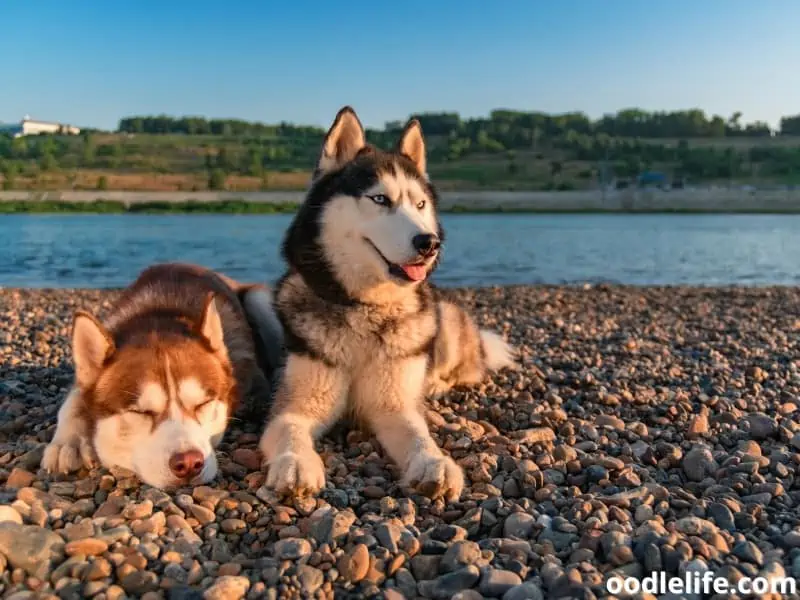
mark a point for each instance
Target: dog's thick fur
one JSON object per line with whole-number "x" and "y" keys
{"x": 156, "y": 383}
{"x": 365, "y": 334}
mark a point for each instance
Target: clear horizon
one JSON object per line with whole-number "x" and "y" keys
{"x": 91, "y": 64}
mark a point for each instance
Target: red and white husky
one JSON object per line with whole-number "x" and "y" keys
{"x": 157, "y": 381}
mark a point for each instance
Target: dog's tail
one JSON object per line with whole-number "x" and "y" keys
{"x": 498, "y": 353}
{"x": 267, "y": 330}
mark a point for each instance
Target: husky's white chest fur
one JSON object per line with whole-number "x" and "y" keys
{"x": 358, "y": 335}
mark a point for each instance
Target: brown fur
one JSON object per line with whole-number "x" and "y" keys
{"x": 458, "y": 355}
{"x": 159, "y": 315}
{"x": 162, "y": 331}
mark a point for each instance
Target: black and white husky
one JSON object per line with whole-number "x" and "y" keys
{"x": 365, "y": 334}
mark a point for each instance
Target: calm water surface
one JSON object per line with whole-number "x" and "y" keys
{"x": 109, "y": 250}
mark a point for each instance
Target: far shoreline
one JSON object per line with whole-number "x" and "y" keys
{"x": 629, "y": 201}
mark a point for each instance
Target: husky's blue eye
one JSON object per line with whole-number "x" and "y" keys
{"x": 381, "y": 199}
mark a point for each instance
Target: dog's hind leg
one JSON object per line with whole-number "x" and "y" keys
{"x": 463, "y": 353}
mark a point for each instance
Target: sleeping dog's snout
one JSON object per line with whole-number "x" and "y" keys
{"x": 187, "y": 464}
{"x": 426, "y": 244}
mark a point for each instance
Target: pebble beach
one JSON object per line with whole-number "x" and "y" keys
{"x": 649, "y": 430}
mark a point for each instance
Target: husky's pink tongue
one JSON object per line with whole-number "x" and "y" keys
{"x": 415, "y": 272}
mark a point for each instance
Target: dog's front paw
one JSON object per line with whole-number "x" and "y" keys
{"x": 436, "y": 388}
{"x": 296, "y": 473}
{"x": 68, "y": 456}
{"x": 435, "y": 476}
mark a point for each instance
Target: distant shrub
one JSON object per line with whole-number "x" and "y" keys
{"x": 48, "y": 163}
{"x": 216, "y": 180}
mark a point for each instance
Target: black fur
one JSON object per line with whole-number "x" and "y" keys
{"x": 301, "y": 247}
{"x": 294, "y": 343}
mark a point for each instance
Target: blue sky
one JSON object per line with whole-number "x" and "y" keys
{"x": 90, "y": 62}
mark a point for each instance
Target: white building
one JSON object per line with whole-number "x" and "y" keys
{"x": 30, "y": 126}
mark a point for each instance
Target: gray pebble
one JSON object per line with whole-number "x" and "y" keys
{"x": 518, "y": 525}
{"x": 30, "y": 547}
{"x": 748, "y": 551}
{"x": 458, "y": 555}
{"x": 446, "y": 586}
{"x": 525, "y": 591}
{"x": 496, "y": 582}
{"x": 310, "y": 579}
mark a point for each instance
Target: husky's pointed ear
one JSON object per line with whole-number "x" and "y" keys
{"x": 412, "y": 144}
{"x": 92, "y": 345}
{"x": 342, "y": 142}
{"x": 210, "y": 325}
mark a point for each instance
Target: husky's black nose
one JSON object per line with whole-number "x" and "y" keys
{"x": 426, "y": 243}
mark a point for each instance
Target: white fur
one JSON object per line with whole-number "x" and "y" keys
{"x": 70, "y": 448}
{"x": 288, "y": 441}
{"x": 390, "y": 400}
{"x": 392, "y": 230}
{"x": 128, "y": 439}
{"x": 191, "y": 393}
{"x": 499, "y": 353}
{"x": 347, "y": 222}
{"x": 378, "y": 388}
{"x": 294, "y": 464}
{"x": 152, "y": 397}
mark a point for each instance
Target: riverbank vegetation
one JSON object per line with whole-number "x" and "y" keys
{"x": 508, "y": 150}
{"x": 109, "y": 207}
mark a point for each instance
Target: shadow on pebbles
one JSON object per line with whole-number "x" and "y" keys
{"x": 649, "y": 430}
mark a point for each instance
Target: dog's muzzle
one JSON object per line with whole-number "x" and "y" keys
{"x": 427, "y": 244}
{"x": 411, "y": 272}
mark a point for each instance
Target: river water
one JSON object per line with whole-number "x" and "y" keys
{"x": 64, "y": 251}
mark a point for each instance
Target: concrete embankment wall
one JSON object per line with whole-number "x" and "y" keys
{"x": 711, "y": 200}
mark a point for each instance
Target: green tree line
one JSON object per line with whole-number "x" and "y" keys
{"x": 514, "y": 148}
{"x": 632, "y": 140}
{"x": 630, "y": 122}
